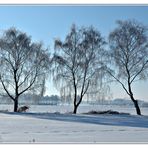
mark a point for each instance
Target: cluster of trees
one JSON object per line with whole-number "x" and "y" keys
{"x": 83, "y": 63}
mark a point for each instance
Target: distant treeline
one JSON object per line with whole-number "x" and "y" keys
{"x": 33, "y": 99}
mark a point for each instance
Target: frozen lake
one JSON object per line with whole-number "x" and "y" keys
{"x": 82, "y": 108}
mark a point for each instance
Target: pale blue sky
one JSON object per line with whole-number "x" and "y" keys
{"x": 44, "y": 23}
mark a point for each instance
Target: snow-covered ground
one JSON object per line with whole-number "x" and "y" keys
{"x": 48, "y": 127}
{"x": 82, "y": 108}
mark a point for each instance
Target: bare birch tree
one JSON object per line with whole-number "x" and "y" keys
{"x": 77, "y": 61}
{"x": 129, "y": 52}
{"x": 22, "y": 64}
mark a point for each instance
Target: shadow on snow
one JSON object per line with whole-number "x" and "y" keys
{"x": 112, "y": 120}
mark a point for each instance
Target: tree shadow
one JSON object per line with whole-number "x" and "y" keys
{"x": 110, "y": 120}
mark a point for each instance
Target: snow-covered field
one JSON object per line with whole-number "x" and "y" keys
{"x": 40, "y": 126}
{"x": 82, "y": 108}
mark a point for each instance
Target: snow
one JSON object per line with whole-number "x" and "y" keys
{"x": 82, "y": 108}
{"x": 33, "y": 127}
